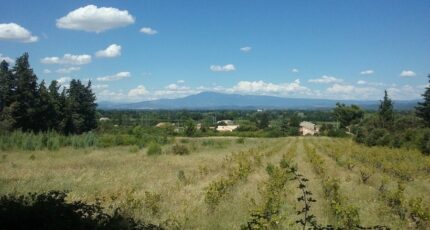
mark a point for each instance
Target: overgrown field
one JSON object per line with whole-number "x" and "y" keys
{"x": 230, "y": 183}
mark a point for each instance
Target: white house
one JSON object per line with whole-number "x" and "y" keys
{"x": 308, "y": 128}
{"x": 226, "y": 128}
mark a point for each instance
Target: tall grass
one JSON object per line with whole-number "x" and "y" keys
{"x": 53, "y": 141}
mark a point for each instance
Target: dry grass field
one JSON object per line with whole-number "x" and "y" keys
{"x": 222, "y": 181}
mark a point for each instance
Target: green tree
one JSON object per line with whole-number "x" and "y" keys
{"x": 347, "y": 115}
{"x": 44, "y": 109}
{"x": 423, "y": 108}
{"x": 190, "y": 128}
{"x": 263, "y": 121}
{"x": 80, "y": 108}
{"x": 386, "y": 112}
{"x": 57, "y": 105}
{"x": 26, "y": 95}
{"x": 285, "y": 126}
{"x": 7, "y": 85}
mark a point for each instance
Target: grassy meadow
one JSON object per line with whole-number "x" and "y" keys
{"x": 223, "y": 181}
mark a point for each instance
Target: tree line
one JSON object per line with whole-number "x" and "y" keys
{"x": 387, "y": 127}
{"x": 30, "y": 106}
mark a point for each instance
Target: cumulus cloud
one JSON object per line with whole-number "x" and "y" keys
{"x": 68, "y": 59}
{"x": 261, "y": 87}
{"x": 367, "y": 72}
{"x": 295, "y": 70}
{"x": 111, "y": 51}
{"x": 180, "y": 81}
{"x": 405, "y": 92}
{"x": 94, "y": 19}
{"x": 225, "y": 68}
{"x": 15, "y": 32}
{"x": 64, "y": 80}
{"x": 7, "y": 59}
{"x": 139, "y": 91}
{"x": 68, "y": 70}
{"x": 325, "y": 80}
{"x": 246, "y": 49}
{"x": 347, "y": 91}
{"x": 99, "y": 87}
{"x": 407, "y": 73}
{"x": 148, "y": 31}
{"x": 361, "y": 82}
{"x": 115, "y": 77}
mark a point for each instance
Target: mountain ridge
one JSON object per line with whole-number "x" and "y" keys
{"x": 217, "y": 101}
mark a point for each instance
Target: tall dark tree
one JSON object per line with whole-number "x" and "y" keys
{"x": 89, "y": 107}
{"x": 386, "y": 112}
{"x": 7, "y": 88}
{"x": 57, "y": 106}
{"x": 43, "y": 109}
{"x": 263, "y": 121}
{"x": 423, "y": 108}
{"x": 285, "y": 126}
{"x": 7, "y": 85}
{"x": 26, "y": 95}
{"x": 80, "y": 108}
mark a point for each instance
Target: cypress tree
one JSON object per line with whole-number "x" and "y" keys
{"x": 57, "y": 106}
{"x": 386, "y": 113}
{"x": 7, "y": 85}
{"x": 44, "y": 109}
{"x": 26, "y": 95}
{"x": 423, "y": 108}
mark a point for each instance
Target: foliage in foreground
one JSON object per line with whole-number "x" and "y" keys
{"x": 51, "y": 211}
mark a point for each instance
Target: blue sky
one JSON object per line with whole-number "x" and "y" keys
{"x": 148, "y": 49}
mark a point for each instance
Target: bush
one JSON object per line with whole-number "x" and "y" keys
{"x": 51, "y": 211}
{"x": 180, "y": 149}
{"x": 425, "y": 143}
{"x": 154, "y": 149}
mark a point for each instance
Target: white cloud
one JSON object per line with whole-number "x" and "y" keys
{"x": 325, "y": 80}
{"x": 111, "y": 51}
{"x": 345, "y": 91}
{"x": 139, "y": 91}
{"x": 407, "y": 73}
{"x": 295, "y": 70}
{"x": 180, "y": 81}
{"x": 367, "y": 72}
{"x": 405, "y": 92}
{"x": 64, "y": 80}
{"x": 261, "y": 87}
{"x": 361, "y": 82}
{"x": 225, "y": 68}
{"x": 47, "y": 71}
{"x": 15, "y": 32}
{"x": 116, "y": 77}
{"x": 148, "y": 31}
{"x": 68, "y": 59}
{"x": 68, "y": 70}
{"x": 246, "y": 49}
{"x": 94, "y": 19}
{"x": 7, "y": 59}
{"x": 99, "y": 87}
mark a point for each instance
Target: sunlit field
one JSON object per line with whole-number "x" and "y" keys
{"x": 223, "y": 182}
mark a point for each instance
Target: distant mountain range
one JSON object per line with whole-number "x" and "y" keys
{"x": 218, "y": 101}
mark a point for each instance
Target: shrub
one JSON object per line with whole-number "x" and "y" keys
{"x": 51, "y": 211}
{"x": 425, "y": 143}
{"x": 180, "y": 149}
{"x": 154, "y": 149}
